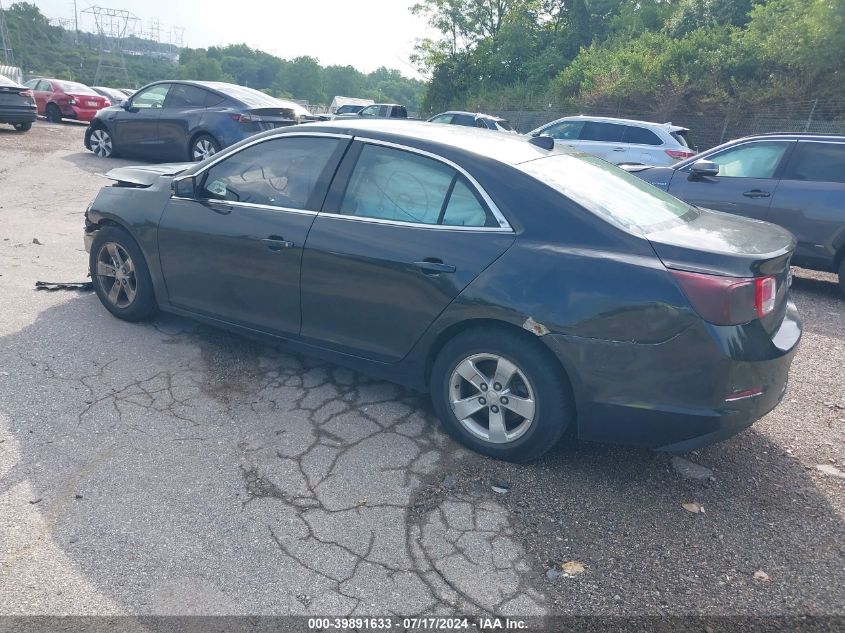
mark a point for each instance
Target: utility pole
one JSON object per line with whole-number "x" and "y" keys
{"x": 75, "y": 24}
{"x": 112, "y": 25}
{"x": 5, "y": 40}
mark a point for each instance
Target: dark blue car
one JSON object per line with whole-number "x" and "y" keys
{"x": 187, "y": 120}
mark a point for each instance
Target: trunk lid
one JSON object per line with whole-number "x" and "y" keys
{"x": 721, "y": 244}
{"x": 89, "y": 101}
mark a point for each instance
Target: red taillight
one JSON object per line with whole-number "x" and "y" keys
{"x": 679, "y": 154}
{"x": 244, "y": 118}
{"x": 728, "y": 300}
{"x": 26, "y": 93}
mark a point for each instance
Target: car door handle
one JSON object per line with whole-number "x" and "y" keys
{"x": 434, "y": 267}
{"x": 618, "y": 149}
{"x": 277, "y": 243}
{"x": 756, "y": 193}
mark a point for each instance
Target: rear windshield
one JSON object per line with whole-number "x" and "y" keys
{"x": 75, "y": 88}
{"x": 251, "y": 98}
{"x": 610, "y": 192}
{"x": 681, "y": 137}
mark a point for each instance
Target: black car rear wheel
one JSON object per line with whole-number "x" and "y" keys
{"x": 101, "y": 142}
{"x": 500, "y": 394}
{"x": 204, "y": 146}
{"x": 26, "y": 126}
{"x": 54, "y": 115}
{"x": 121, "y": 277}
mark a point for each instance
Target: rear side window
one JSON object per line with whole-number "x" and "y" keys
{"x": 750, "y": 160}
{"x": 213, "y": 99}
{"x": 817, "y": 162}
{"x": 640, "y": 136}
{"x": 280, "y": 172}
{"x": 464, "y": 119}
{"x": 391, "y": 184}
{"x": 185, "y": 96}
{"x": 598, "y": 131}
{"x": 399, "y": 112}
{"x": 504, "y": 124}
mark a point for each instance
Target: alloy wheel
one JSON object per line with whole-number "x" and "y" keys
{"x": 116, "y": 275}
{"x": 101, "y": 143}
{"x": 492, "y": 398}
{"x": 203, "y": 148}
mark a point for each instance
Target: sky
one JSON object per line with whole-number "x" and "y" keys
{"x": 365, "y": 34}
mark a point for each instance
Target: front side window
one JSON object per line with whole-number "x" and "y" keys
{"x": 750, "y": 160}
{"x": 442, "y": 118}
{"x": 817, "y": 162}
{"x": 564, "y": 130}
{"x": 370, "y": 111}
{"x": 151, "y": 97}
{"x": 280, "y": 172}
{"x": 391, "y": 184}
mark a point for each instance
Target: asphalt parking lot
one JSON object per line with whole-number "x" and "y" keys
{"x": 171, "y": 468}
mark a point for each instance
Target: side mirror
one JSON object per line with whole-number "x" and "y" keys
{"x": 703, "y": 168}
{"x": 184, "y": 187}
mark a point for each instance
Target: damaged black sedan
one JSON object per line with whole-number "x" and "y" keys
{"x": 529, "y": 291}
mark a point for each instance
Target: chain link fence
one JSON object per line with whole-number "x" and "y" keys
{"x": 706, "y": 130}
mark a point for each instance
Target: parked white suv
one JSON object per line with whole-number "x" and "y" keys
{"x": 621, "y": 140}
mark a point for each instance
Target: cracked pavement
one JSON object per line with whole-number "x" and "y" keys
{"x": 172, "y": 468}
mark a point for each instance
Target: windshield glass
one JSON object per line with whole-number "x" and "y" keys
{"x": 609, "y": 192}
{"x": 75, "y": 88}
{"x": 504, "y": 124}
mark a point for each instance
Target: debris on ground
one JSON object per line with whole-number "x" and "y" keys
{"x": 35, "y": 240}
{"x": 83, "y": 286}
{"x": 762, "y": 576}
{"x": 572, "y": 568}
{"x": 499, "y": 486}
{"x": 833, "y": 471}
{"x": 690, "y": 470}
{"x": 695, "y": 508}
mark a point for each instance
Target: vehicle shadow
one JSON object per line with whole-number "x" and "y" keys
{"x": 124, "y": 473}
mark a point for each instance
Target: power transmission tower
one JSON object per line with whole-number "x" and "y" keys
{"x": 5, "y": 40}
{"x": 112, "y": 25}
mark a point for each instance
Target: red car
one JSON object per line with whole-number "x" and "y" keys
{"x": 58, "y": 99}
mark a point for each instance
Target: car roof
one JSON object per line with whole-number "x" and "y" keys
{"x": 510, "y": 149}
{"x": 475, "y": 114}
{"x": 792, "y": 136}
{"x": 607, "y": 119}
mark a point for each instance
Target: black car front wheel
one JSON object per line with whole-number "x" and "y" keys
{"x": 501, "y": 394}
{"x": 120, "y": 274}
{"x": 204, "y": 146}
{"x": 101, "y": 143}
{"x": 26, "y": 126}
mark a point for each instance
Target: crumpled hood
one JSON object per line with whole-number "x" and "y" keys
{"x": 146, "y": 175}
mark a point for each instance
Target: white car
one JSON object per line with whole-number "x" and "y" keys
{"x": 621, "y": 140}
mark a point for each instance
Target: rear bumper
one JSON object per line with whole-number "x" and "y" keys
{"x": 17, "y": 115}
{"x": 678, "y": 395}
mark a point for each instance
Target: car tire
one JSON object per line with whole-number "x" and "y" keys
{"x": 842, "y": 275}
{"x": 531, "y": 411}
{"x": 125, "y": 290}
{"x": 54, "y": 115}
{"x": 101, "y": 142}
{"x": 26, "y": 126}
{"x": 202, "y": 147}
